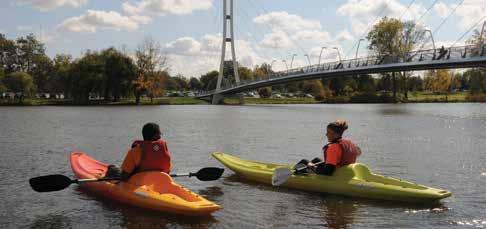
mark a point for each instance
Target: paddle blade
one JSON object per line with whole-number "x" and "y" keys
{"x": 50, "y": 183}
{"x": 209, "y": 173}
{"x": 280, "y": 176}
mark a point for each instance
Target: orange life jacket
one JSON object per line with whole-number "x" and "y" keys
{"x": 155, "y": 156}
{"x": 349, "y": 151}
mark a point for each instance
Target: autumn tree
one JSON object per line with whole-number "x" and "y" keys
{"x": 151, "y": 63}
{"x": 315, "y": 88}
{"x": 438, "y": 81}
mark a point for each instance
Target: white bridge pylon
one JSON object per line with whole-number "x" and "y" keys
{"x": 227, "y": 19}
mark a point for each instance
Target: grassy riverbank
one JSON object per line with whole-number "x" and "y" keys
{"x": 123, "y": 102}
{"x": 415, "y": 97}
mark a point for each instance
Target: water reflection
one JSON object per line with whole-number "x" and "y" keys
{"x": 134, "y": 217}
{"x": 338, "y": 214}
{"x": 397, "y": 109}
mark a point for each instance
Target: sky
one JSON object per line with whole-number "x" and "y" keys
{"x": 266, "y": 31}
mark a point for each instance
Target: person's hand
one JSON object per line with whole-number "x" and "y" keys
{"x": 311, "y": 165}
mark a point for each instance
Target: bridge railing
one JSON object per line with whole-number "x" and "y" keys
{"x": 442, "y": 53}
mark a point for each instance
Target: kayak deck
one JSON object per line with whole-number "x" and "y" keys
{"x": 151, "y": 190}
{"x": 352, "y": 180}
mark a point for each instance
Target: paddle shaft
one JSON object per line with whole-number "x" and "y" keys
{"x": 117, "y": 178}
{"x": 302, "y": 168}
{"x": 79, "y": 181}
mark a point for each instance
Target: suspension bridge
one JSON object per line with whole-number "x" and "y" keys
{"x": 444, "y": 58}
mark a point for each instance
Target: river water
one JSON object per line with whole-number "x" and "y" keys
{"x": 438, "y": 145}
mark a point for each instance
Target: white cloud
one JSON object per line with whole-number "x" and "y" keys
{"x": 46, "y": 5}
{"x": 442, "y": 9}
{"x": 194, "y": 57}
{"x": 289, "y": 29}
{"x": 288, "y": 22}
{"x": 344, "y": 36}
{"x": 183, "y": 46}
{"x": 470, "y": 12}
{"x": 164, "y": 7}
{"x": 93, "y": 20}
{"x": 362, "y": 13}
{"x": 277, "y": 40}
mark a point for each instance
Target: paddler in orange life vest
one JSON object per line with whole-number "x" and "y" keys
{"x": 337, "y": 153}
{"x": 151, "y": 154}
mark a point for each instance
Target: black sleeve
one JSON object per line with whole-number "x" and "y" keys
{"x": 325, "y": 169}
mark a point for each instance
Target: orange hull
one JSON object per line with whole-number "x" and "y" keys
{"x": 150, "y": 190}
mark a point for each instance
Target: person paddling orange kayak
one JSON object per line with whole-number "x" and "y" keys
{"x": 337, "y": 153}
{"x": 151, "y": 154}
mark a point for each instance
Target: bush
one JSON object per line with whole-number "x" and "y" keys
{"x": 336, "y": 99}
{"x": 477, "y": 97}
{"x": 366, "y": 97}
{"x": 265, "y": 92}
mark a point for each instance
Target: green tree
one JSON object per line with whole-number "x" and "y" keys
{"x": 477, "y": 80}
{"x": 87, "y": 76}
{"x": 181, "y": 82}
{"x": 2, "y": 76}
{"x": 365, "y": 83}
{"x": 209, "y": 80}
{"x": 393, "y": 40}
{"x": 120, "y": 71}
{"x": 29, "y": 50}
{"x": 42, "y": 71}
{"x": 195, "y": 84}
{"x": 415, "y": 84}
{"x": 20, "y": 82}
{"x": 8, "y": 54}
{"x": 59, "y": 82}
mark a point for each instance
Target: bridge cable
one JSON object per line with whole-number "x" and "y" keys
{"x": 367, "y": 28}
{"x": 469, "y": 30}
{"x": 283, "y": 30}
{"x": 248, "y": 18}
{"x": 406, "y": 10}
{"x": 440, "y": 25}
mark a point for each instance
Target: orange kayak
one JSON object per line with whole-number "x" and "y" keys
{"x": 150, "y": 190}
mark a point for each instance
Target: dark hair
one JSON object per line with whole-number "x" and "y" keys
{"x": 338, "y": 126}
{"x": 149, "y": 131}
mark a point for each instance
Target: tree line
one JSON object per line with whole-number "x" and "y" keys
{"x": 113, "y": 74}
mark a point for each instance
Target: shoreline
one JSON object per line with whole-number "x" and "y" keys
{"x": 227, "y": 101}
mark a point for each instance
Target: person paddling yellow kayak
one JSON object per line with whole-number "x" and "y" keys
{"x": 337, "y": 153}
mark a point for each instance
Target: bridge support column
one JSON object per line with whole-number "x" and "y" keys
{"x": 227, "y": 22}
{"x": 217, "y": 99}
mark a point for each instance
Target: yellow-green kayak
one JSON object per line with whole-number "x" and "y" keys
{"x": 352, "y": 180}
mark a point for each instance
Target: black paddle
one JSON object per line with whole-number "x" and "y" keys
{"x": 58, "y": 182}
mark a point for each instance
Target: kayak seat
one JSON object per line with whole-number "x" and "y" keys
{"x": 361, "y": 172}
{"x": 162, "y": 183}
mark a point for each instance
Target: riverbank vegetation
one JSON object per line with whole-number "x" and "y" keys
{"x": 112, "y": 76}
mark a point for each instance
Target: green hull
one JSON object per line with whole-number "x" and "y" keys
{"x": 353, "y": 180}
